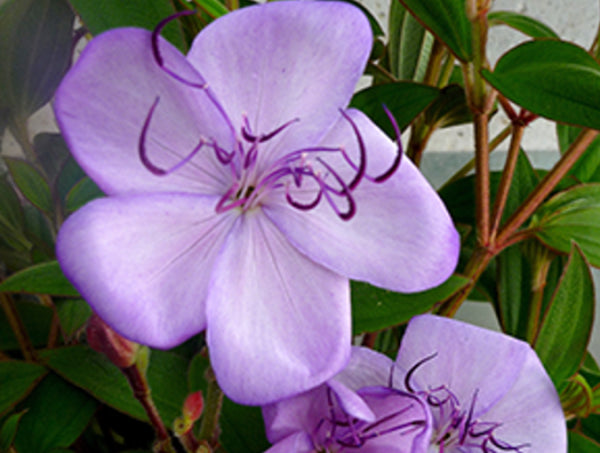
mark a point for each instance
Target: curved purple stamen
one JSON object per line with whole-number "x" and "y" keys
{"x": 390, "y": 171}
{"x": 413, "y": 369}
{"x": 362, "y": 166}
{"x": 155, "y": 170}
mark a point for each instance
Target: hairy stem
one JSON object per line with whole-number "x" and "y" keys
{"x": 141, "y": 391}
{"x": 506, "y": 179}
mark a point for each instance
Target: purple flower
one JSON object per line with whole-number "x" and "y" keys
{"x": 242, "y": 195}
{"x": 454, "y": 388}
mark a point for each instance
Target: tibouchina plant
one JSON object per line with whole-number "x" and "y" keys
{"x": 243, "y": 193}
{"x": 454, "y": 388}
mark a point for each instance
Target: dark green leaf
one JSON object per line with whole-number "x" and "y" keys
{"x": 572, "y": 215}
{"x": 39, "y": 232}
{"x": 93, "y": 373}
{"x": 52, "y": 153}
{"x": 9, "y": 431}
{"x": 404, "y": 99}
{"x": 36, "y": 319}
{"x": 31, "y": 183}
{"x": 565, "y": 332}
{"x": 409, "y": 45}
{"x": 554, "y": 79}
{"x": 375, "y": 308}
{"x": 45, "y": 278}
{"x": 73, "y": 314}
{"x": 447, "y": 19}
{"x": 36, "y": 46}
{"x": 449, "y": 109}
{"x": 524, "y": 24}
{"x": 99, "y": 16}
{"x": 57, "y": 414}
{"x": 18, "y": 378}
{"x": 12, "y": 222}
{"x": 513, "y": 268}
{"x": 84, "y": 191}
{"x": 579, "y": 443}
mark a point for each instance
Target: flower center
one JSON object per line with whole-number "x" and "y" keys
{"x": 455, "y": 429}
{"x": 305, "y": 177}
{"x": 339, "y": 432}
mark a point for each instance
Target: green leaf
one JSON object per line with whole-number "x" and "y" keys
{"x": 587, "y": 167}
{"x": 18, "y": 378}
{"x": 565, "y": 332}
{"x": 522, "y": 23}
{"x": 12, "y": 222}
{"x": 36, "y": 46}
{"x": 449, "y": 109}
{"x": 9, "y": 431}
{"x": 52, "y": 153}
{"x": 73, "y": 314}
{"x": 57, "y": 414}
{"x": 37, "y": 320}
{"x": 31, "y": 183}
{"x": 376, "y": 309}
{"x": 572, "y": 215}
{"x": 409, "y": 45}
{"x": 405, "y": 100}
{"x": 45, "y": 278}
{"x": 99, "y": 16}
{"x": 81, "y": 193}
{"x": 580, "y": 443}
{"x": 513, "y": 268}
{"x": 554, "y": 79}
{"x": 447, "y": 19}
{"x": 95, "y": 374}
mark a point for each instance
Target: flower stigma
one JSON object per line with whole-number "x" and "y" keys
{"x": 304, "y": 176}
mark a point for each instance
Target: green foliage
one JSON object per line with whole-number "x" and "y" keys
{"x": 45, "y": 278}
{"x": 524, "y": 24}
{"x": 18, "y": 378}
{"x": 448, "y": 21}
{"x": 554, "y": 79}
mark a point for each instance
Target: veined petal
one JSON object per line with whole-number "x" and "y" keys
{"x": 466, "y": 359}
{"x": 531, "y": 412}
{"x": 104, "y": 101}
{"x": 143, "y": 262}
{"x": 401, "y": 237}
{"x": 278, "y": 323}
{"x": 284, "y": 61}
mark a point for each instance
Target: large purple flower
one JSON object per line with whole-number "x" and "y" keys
{"x": 454, "y": 388}
{"x": 242, "y": 195}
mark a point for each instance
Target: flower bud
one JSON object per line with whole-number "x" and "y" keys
{"x": 102, "y": 338}
{"x": 193, "y": 406}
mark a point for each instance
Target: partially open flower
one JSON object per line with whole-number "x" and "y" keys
{"x": 242, "y": 193}
{"x": 454, "y": 388}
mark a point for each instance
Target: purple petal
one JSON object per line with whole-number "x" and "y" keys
{"x": 401, "y": 238}
{"x": 366, "y": 368}
{"x": 144, "y": 262}
{"x": 102, "y": 105}
{"x": 284, "y": 61}
{"x": 467, "y": 359}
{"x": 403, "y": 422}
{"x": 278, "y": 323}
{"x": 531, "y": 412}
{"x": 295, "y": 443}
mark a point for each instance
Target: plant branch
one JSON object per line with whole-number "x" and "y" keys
{"x": 16, "y": 324}
{"x": 546, "y": 186}
{"x": 213, "y": 403}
